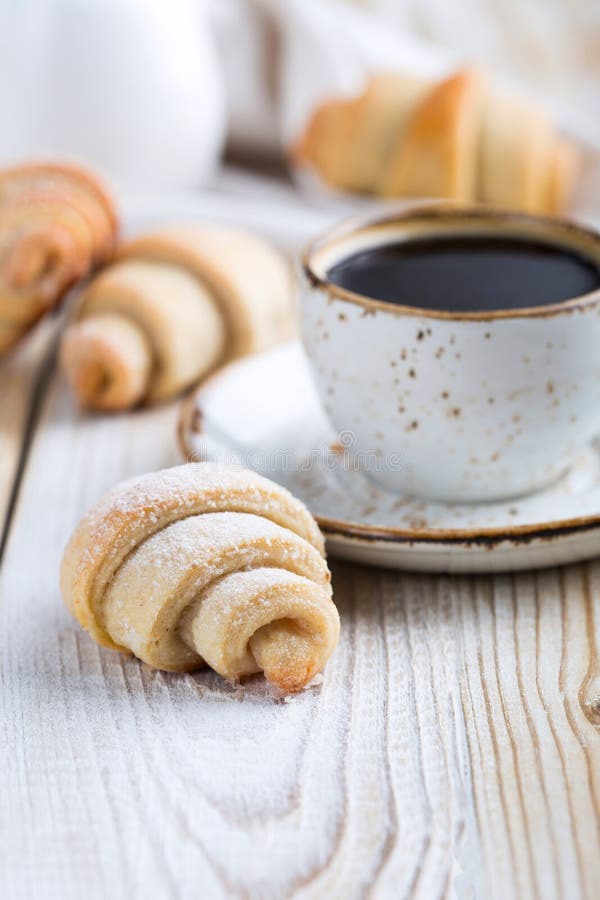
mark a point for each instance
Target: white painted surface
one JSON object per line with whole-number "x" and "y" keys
{"x": 452, "y": 749}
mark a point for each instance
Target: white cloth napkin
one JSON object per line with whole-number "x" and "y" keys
{"x": 282, "y": 59}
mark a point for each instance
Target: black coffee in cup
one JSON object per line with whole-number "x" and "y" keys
{"x": 467, "y": 273}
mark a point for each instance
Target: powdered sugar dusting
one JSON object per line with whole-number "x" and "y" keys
{"x": 155, "y": 543}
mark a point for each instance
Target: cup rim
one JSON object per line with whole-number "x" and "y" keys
{"x": 427, "y": 209}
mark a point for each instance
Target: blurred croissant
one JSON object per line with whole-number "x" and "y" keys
{"x": 458, "y": 139}
{"x": 57, "y": 223}
{"x": 174, "y": 305}
{"x": 201, "y": 564}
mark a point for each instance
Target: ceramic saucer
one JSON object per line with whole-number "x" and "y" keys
{"x": 263, "y": 412}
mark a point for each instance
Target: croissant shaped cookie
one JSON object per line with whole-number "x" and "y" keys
{"x": 174, "y": 305}
{"x": 459, "y": 139}
{"x": 200, "y": 564}
{"x": 56, "y": 224}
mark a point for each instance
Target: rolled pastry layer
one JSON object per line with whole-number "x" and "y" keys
{"x": 195, "y": 296}
{"x": 458, "y": 139}
{"x": 200, "y": 564}
{"x": 57, "y": 223}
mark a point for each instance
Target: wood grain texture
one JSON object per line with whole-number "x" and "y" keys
{"x": 452, "y": 748}
{"x": 20, "y": 373}
{"x": 531, "y": 697}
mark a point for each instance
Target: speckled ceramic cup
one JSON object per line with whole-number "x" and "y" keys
{"x": 454, "y": 406}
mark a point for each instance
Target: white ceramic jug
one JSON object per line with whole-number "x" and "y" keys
{"x": 130, "y": 86}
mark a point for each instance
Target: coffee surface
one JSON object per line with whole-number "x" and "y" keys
{"x": 467, "y": 273}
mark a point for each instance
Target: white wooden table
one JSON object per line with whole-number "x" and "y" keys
{"x": 452, "y": 749}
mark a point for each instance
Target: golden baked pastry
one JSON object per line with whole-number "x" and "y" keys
{"x": 562, "y": 179}
{"x": 201, "y": 564}
{"x": 436, "y": 155}
{"x": 347, "y": 140}
{"x": 174, "y": 305}
{"x": 57, "y": 223}
{"x": 459, "y": 139}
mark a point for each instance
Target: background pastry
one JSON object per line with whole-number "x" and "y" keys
{"x": 460, "y": 139}
{"x": 57, "y": 222}
{"x": 175, "y": 304}
{"x": 434, "y": 155}
{"x": 203, "y": 564}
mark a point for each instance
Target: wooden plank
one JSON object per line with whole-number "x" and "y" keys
{"x": 451, "y": 746}
{"x": 19, "y": 380}
{"x": 137, "y": 781}
{"x": 531, "y": 699}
